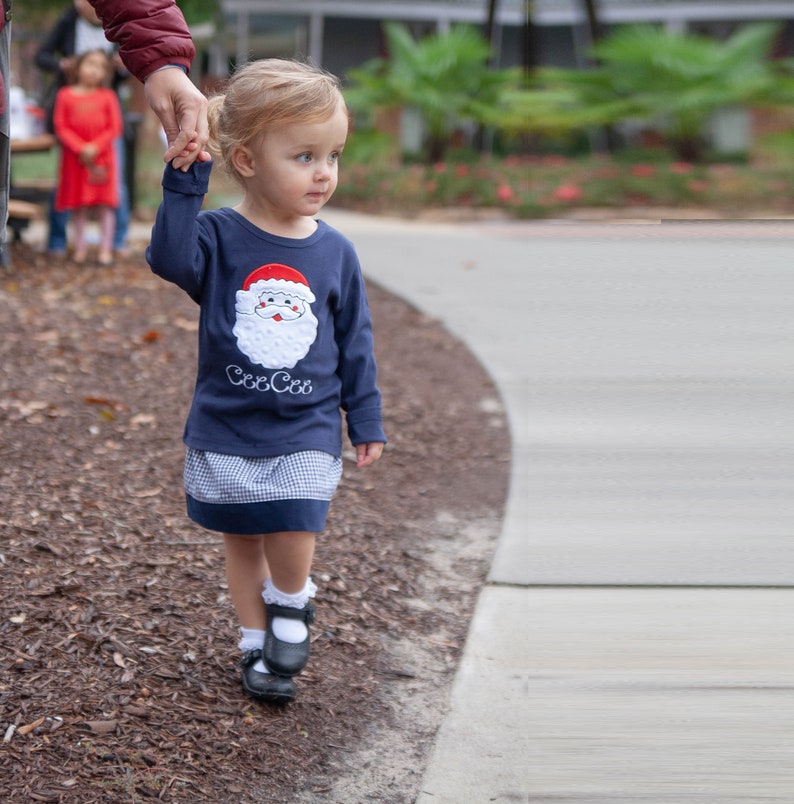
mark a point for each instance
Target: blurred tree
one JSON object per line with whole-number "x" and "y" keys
{"x": 446, "y": 77}
{"x": 33, "y": 12}
{"x": 593, "y": 14}
{"x": 672, "y": 81}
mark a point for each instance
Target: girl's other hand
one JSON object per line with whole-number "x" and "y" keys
{"x": 367, "y": 454}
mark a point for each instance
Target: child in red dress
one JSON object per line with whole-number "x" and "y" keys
{"x": 87, "y": 119}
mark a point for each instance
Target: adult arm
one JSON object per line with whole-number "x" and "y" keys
{"x": 150, "y": 34}
{"x": 155, "y": 45}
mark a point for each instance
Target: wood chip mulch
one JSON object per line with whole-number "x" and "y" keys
{"x": 118, "y": 661}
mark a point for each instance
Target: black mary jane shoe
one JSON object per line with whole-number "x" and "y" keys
{"x": 265, "y": 686}
{"x": 287, "y": 658}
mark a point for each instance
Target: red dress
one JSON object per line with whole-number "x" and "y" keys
{"x": 81, "y": 118}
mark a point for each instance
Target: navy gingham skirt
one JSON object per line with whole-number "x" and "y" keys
{"x": 236, "y": 494}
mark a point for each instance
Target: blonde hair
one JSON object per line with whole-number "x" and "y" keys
{"x": 264, "y": 94}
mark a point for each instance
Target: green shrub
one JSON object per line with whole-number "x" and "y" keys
{"x": 446, "y": 77}
{"x": 673, "y": 82}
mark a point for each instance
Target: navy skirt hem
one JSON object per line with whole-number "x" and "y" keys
{"x": 247, "y": 519}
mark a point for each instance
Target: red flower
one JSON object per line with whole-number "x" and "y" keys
{"x": 555, "y": 160}
{"x": 440, "y": 167}
{"x": 698, "y": 186}
{"x": 504, "y": 192}
{"x": 681, "y": 168}
{"x": 461, "y": 171}
{"x": 643, "y": 171}
{"x": 606, "y": 172}
{"x": 568, "y": 192}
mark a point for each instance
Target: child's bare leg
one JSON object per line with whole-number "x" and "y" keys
{"x": 79, "y": 218}
{"x": 246, "y": 573}
{"x": 286, "y": 595}
{"x": 290, "y": 557}
{"x": 107, "y": 227}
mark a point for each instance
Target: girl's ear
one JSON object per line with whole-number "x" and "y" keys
{"x": 243, "y": 161}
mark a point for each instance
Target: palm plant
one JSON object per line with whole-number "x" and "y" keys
{"x": 446, "y": 77}
{"x": 675, "y": 81}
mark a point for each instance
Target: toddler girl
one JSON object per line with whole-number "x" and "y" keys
{"x": 285, "y": 341}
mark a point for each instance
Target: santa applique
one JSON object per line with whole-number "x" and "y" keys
{"x": 275, "y": 325}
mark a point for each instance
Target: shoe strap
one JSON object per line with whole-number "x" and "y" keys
{"x": 306, "y": 614}
{"x": 250, "y": 657}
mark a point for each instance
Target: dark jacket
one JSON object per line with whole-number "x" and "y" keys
{"x": 60, "y": 43}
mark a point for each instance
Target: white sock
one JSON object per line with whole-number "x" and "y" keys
{"x": 252, "y": 639}
{"x": 283, "y": 628}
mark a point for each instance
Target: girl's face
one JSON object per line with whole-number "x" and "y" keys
{"x": 92, "y": 70}
{"x": 292, "y": 171}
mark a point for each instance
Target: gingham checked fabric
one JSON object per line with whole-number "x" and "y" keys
{"x": 216, "y": 478}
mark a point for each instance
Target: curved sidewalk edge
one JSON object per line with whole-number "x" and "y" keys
{"x": 447, "y": 271}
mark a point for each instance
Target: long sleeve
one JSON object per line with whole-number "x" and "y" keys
{"x": 115, "y": 127}
{"x": 175, "y": 251}
{"x": 360, "y": 397}
{"x": 150, "y": 33}
{"x": 67, "y": 136}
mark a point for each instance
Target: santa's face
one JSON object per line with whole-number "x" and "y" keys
{"x": 274, "y": 328}
{"x": 280, "y": 306}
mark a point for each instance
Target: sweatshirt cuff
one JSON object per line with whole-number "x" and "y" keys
{"x": 194, "y": 181}
{"x": 365, "y": 427}
{"x": 182, "y": 67}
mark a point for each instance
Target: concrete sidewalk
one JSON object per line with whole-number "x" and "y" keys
{"x": 482, "y": 750}
{"x": 634, "y": 639}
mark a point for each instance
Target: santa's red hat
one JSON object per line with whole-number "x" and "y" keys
{"x": 281, "y": 278}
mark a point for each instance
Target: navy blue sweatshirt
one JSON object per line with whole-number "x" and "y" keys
{"x": 285, "y": 335}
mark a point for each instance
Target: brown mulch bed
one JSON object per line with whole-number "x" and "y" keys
{"x": 118, "y": 661}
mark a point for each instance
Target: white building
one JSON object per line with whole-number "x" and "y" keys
{"x": 342, "y": 33}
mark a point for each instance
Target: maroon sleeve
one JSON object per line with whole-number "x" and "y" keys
{"x": 149, "y": 33}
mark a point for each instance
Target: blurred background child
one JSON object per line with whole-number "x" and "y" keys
{"x": 76, "y": 31}
{"x": 87, "y": 120}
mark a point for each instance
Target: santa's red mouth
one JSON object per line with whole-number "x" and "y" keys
{"x": 277, "y": 317}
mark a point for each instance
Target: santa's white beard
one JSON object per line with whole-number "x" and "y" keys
{"x": 275, "y": 344}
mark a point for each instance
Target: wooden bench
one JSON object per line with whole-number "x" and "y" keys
{"x": 28, "y": 200}
{"x": 20, "y": 214}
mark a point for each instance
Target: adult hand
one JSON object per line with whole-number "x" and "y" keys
{"x": 182, "y": 110}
